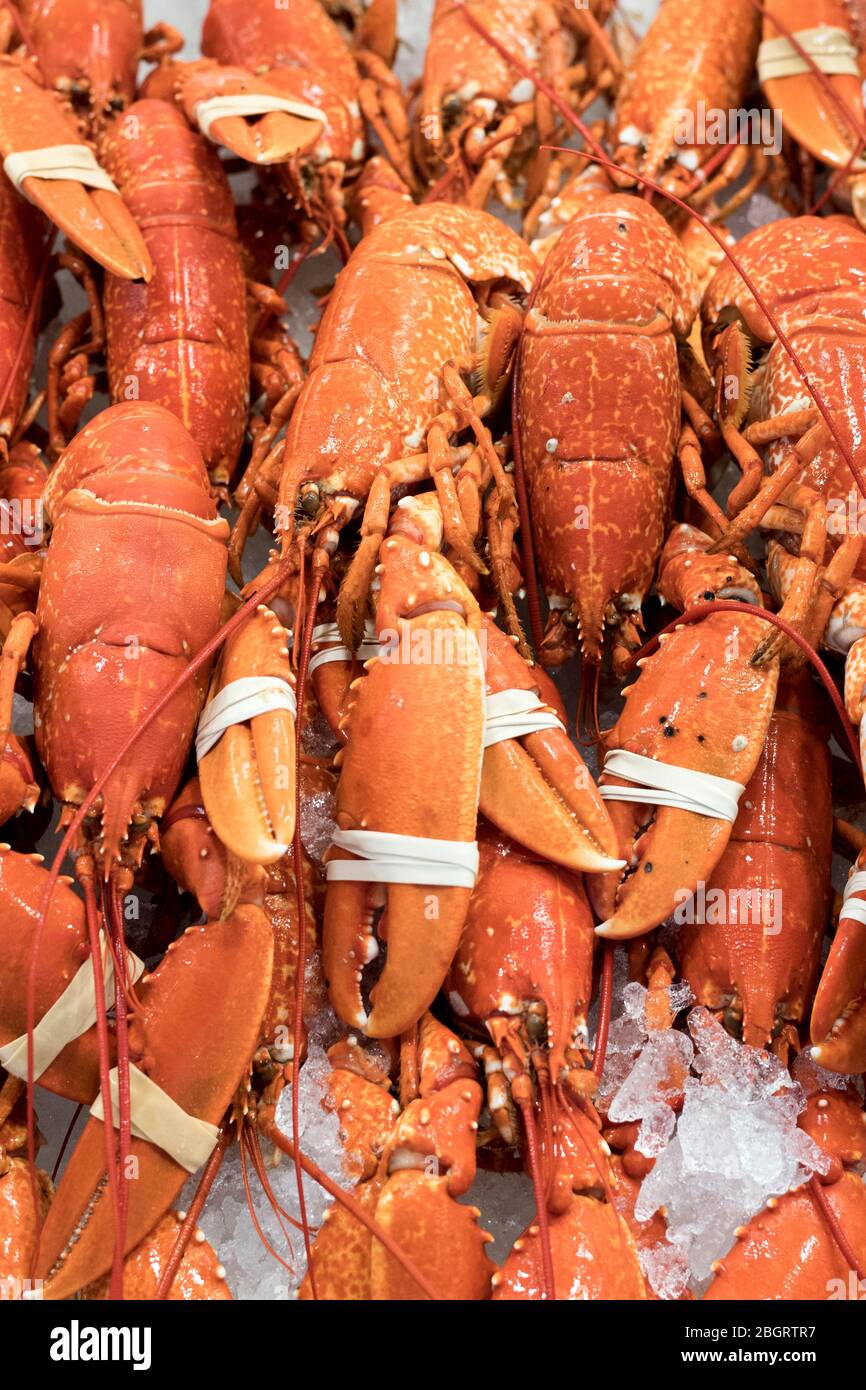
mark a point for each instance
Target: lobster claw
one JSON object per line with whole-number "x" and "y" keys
{"x": 420, "y": 704}
{"x": 248, "y": 776}
{"x": 201, "y": 1075}
{"x": 699, "y": 705}
{"x": 95, "y": 219}
{"x": 594, "y": 1257}
{"x": 838, "y": 1023}
{"x": 262, "y": 136}
{"x": 812, "y": 102}
{"x": 536, "y": 787}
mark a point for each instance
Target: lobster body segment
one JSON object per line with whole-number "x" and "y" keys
{"x": 400, "y": 309}
{"x": 760, "y": 955}
{"x": 180, "y": 340}
{"x": 600, "y": 409}
{"x": 131, "y": 485}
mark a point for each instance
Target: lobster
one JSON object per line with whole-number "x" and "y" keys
{"x": 480, "y": 121}
{"x": 385, "y": 394}
{"x": 753, "y": 948}
{"x": 175, "y": 340}
{"x": 811, "y": 448}
{"x": 91, "y": 63}
{"x": 692, "y": 62}
{"x": 421, "y": 1161}
{"x": 200, "y": 1276}
{"x": 280, "y": 85}
{"x": 811, "y": 67}
{"x": 615, "y": 298}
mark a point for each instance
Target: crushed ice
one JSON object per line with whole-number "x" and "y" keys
{"x": 734, "y": 1144}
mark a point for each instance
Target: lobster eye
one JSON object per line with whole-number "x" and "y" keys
{"x": 308, "y": 499}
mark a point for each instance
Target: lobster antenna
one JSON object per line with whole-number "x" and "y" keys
{"x": 190, "y": 1221}
{"x": 526, "y": 1109}
{"x": 317, "y": 569}
{"x": 245, "y": 1153}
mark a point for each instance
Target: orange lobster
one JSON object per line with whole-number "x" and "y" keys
{"x": 694, "y": 61}
{"x": 615, "y": 298}
{"x": 280, "y": 85}
{"x": 413, "y": 1167}
{"x": 180, "y": 340}
{"x": 811, "y": 64}
{"x": 482, "y": 119}
{"x": 757, "y": 956}
{"x": 385, "y": 394}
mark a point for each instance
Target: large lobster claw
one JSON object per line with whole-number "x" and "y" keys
{"x": 813, "y": 102}
{"x": 248, "y": 776}
{"x": 262, "y": 135}
{"x": 214, "y": 982}
{"x": 535, "y": 786}
{"x": 699, "y": 704}
{"x": 593, "y": 1253}
{"x": 838, "y": 1023}
{"x": 411, "y": 769}
{"x": 95, "y": 218}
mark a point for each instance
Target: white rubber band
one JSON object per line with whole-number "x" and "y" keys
{"x": 70, "y": 1016}
{"x": 239, "y": 701}
{"x": 513, "y": 713}
{"x": 77, "y": 163}
{"x": 854, "y": 908}
{"x": 386, "y": 858}
{"x": 154, "y": 1116}
{"x": 665, "y": 784}
{"x": 830, "y": 49}
{"x": 329, "y": 632}
{"x": 205, "y": 113}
